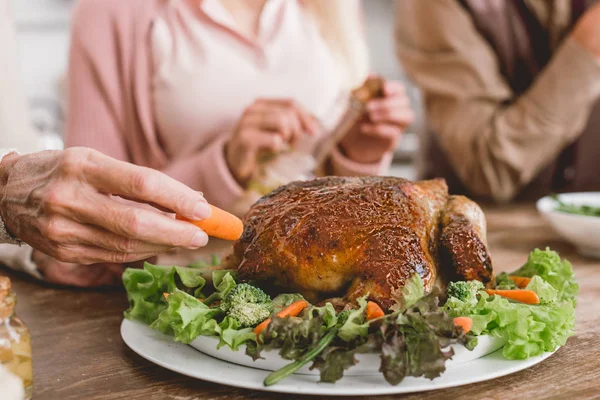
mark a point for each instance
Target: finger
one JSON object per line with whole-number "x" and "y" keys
{"x": 309, "y": 123}
{"x": 145, "y": 185}
{"x": 278, "y": 121}
{"x": 295, "y": 125}
{"x": 68, "y": 232}
{"x": 393, "y": 88}
{"x": 80, "y": 275}
{"x": 397, "y": 102}
{"x": 138, "y": 223}
{"x": 88, "y": 255}
{"x": 381, "y": 131}
{"x": 395, "y": 116}
{"x": 264, "y": 140}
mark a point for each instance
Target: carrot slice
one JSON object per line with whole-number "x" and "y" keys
{"x": 221, "y": 224}
{"x": 524, "y": 296}
{"x": 465, "y": 322}
{"x": 521, "y": 281}
{"x": 374, "y": 311}
{"x": 290, "y": 311}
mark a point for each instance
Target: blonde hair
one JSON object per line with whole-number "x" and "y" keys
{"x": 340, "y": 22}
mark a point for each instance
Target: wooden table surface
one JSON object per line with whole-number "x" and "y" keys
{"x": 79, "y": 354}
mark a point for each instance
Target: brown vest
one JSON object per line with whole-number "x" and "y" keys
{"x": 523, "y": 50}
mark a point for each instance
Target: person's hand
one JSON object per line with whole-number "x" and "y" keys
{"x": 587, "y": 30}
{"x": 64, "y": 204}
{"x": 267, "y": 125}
{"x": 379, "y": 132}
{"x": 79, "y": 275}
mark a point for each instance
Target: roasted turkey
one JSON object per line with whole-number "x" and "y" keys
{"x": 349, "y": 237}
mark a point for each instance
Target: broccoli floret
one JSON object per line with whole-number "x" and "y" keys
{"x": 465, "y": 290}
{"x": 250, "y": 314}
{"x": 247, "y": 304}
{"x": 343, "y": 317}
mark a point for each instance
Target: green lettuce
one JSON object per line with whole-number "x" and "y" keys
{"x": 285, "y": 299}
{"x": 182, "y": 314}
{"x": 145, "y": 288}
{"x": 559, "y": 273}
{"x": 186, "y": 318}
{"x": 356, "y": 325}
{"x": 411, "y": 293}
{"x": 529, "y": 330}
{"x": 233, "y": 335}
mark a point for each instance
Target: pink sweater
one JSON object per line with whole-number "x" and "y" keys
{"x": 111, "y": 101}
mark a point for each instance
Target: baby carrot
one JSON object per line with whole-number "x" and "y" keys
{"x": 524, "y": 296}
{"x": 221, "y": 224}
{"x": 521, "y": 281}
{"x": 374, "y": 311}
{"x": 465, "y": 322}
{"x": 290, "y": 311}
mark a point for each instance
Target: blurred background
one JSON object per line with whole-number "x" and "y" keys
{"x": 43, "y": 30}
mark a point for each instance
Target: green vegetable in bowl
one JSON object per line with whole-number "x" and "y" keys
{"x": 586, "y": 210}
{"x": 247, "y": 304}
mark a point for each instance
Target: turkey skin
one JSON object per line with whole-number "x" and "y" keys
{"x": 351, "y": 237}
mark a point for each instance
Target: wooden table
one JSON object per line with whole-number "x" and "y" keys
{"x": 79, "y": 354}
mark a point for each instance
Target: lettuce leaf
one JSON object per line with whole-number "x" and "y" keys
{"x": 233, "y": 335}
{"x": 356, "y": 325}
{"x": 411, "y": 344}
{"x": 559, "y": 273}
{"x": 410, "y": 294}
{"x": 285, "y": 299}
{"x": 223, "y": 282}
{"x": 530, "y": 330}
{"x": 186, "y": 318}
{"x": 145, "y": 288}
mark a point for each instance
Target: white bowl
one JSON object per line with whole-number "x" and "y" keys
{"x": 368, "y": 364}
{"x": 580, "y": 230}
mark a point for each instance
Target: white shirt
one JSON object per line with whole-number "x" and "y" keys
{"x": 15, "y": 129}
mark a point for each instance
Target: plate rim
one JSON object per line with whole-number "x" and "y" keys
{"x": 310, "y": 385}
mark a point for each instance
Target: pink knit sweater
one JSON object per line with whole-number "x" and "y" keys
{"x": 111, "y": 104}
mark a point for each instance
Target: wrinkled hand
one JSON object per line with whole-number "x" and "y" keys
{"x": 267, "y": 125}
{"x": 587, "y": 30}
{"x": 379, "y": 132}
{"x": 79, "y": 275}
{"x": 63, "y": 203}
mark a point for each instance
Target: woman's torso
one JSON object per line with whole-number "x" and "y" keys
{"x": 206, "y": 73}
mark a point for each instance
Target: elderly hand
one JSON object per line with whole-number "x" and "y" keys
{"x": 267, "y": 125}
{"x": 79, "y": 275}
{"x": 63, "y": 203}
{"x": 386, "y": 120}
{"x": 587, "y": 30}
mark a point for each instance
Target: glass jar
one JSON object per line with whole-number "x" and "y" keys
{"x": 15, "y": 342}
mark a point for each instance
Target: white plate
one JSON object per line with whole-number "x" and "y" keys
{"x": 162, "y": 350}
{"x": 582, "y": 231}
{"x": 368, "y": 364}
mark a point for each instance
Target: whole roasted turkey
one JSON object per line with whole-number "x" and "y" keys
{"x": 347, "y": 237}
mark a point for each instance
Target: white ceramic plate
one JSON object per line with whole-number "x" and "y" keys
{"x": 162, "y": 350}
{"x": 582, "y": 231}
{"x": 368, "y": 364}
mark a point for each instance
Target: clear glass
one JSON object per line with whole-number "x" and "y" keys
{"x": 15, "y": 344}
